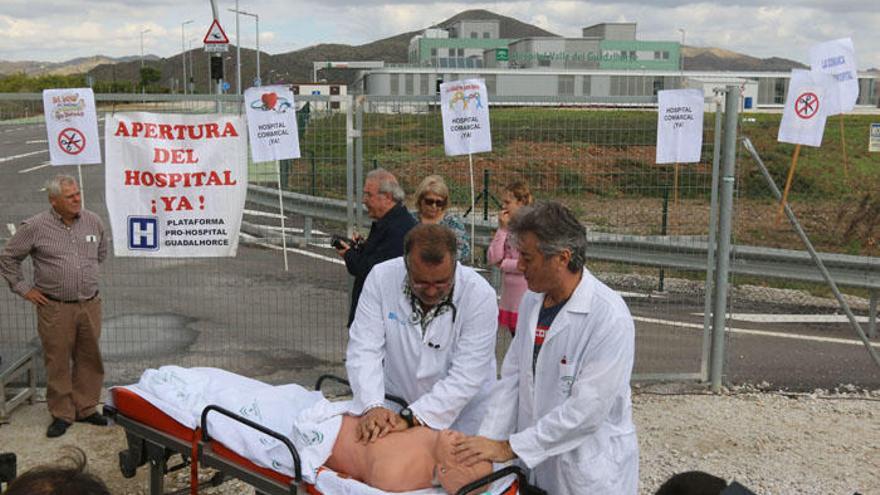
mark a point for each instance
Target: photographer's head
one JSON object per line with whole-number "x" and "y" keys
{"x": 429, "y": 251}
{"x": 381, "y": 193}
{"x": 68, "y": 477}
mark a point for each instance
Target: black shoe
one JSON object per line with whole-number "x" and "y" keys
{"x": 57, "y": 428}
{"x": 94, "y": 419}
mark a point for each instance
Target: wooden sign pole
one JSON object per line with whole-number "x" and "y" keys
{"x": 794, "y": 159}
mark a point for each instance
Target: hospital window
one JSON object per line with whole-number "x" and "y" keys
{"x": 566, "y": 86}
{"x": 588, "y": 86}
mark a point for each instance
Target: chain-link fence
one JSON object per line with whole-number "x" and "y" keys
{"x": 648, "y": 229}
{"x": 776, "y": 287}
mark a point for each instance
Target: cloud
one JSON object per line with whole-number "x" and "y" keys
{"x": 785, "y": 28}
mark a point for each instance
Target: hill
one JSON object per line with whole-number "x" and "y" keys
{"x": 296, "y": 66}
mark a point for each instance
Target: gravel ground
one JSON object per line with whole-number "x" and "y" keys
{"x": 772, "y": 443}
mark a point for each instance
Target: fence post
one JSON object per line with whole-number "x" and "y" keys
{"x": 349, "y": 165}
{"x": 664, "y": 216}
{"x": 359, "y": 158}
{"x": 710, "y": 245}
{"x": 486, "y": 194}
{"x": 728, "y": 175}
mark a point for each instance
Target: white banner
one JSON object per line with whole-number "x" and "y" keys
{"x": 271, "y": 115}
{"x": 72, "y": 126}
{"x": 465, "y": 108}
{"x": 175, "y": 184}
{"x": 838, "y": 58}
{"x": 679, "y": 126}
{"x": 803, "y": 120}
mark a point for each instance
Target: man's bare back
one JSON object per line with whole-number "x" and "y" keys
{"x": 401, "y": 461}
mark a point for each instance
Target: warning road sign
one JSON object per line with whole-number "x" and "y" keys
{"x": 216, "y": 35}
{"x": 71, "y": 141}
{"x": 806, "y": 105}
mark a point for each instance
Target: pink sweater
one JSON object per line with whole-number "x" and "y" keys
{"x": 513, "y": 284}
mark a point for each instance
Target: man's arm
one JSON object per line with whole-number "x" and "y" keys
{"x": 366, "y": 349}
{"x": 380, "y": 246}
{"x": 606, "y": 370}
{"x": 500, "y": 419}
{"x": 16, "y": 250}
{"x": 474, "y": 352}
{"x": 102, "y": 242}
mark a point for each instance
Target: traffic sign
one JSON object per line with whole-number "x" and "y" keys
{"x": 217, "y": 48}
{"x": 216, "y": 35}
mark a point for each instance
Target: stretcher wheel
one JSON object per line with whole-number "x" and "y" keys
{"x": 126, "y": 465}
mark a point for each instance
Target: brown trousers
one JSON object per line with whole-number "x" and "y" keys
{"x": 70, "y": 334}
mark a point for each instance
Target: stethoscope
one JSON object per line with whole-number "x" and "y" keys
{"x": 415, "y": 319}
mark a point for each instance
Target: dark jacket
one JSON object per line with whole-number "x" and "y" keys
{"x": 384, "y": 242}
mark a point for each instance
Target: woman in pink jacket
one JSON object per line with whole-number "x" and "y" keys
{"x": 503, "y": 253}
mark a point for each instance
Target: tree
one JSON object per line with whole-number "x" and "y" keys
{"x": 150, "y": 75}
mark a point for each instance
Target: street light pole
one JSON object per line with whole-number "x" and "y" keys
{"x": 681, "y": 50}
{"x": 142, "y": 45}
{"x": 257, "y": 81}
{"x": 183, "y": 52}
{"x": 237, "y": 53}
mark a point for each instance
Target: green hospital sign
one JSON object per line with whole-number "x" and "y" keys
{"x": 501, "y": 55}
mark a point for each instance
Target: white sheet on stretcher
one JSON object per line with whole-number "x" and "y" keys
{"x": 309, "y": 420}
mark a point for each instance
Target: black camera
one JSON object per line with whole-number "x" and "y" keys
{"x": 337, "y": 240}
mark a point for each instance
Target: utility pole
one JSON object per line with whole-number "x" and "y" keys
{"x": 237, "y": 54}
{"x": 183, "y": 51}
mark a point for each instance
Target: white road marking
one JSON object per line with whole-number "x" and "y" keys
{"x": 36, "y": 141}
{"x": 778, "y": 318}
{"x": 303, "y": 252}
{"x": 759, "y": 333}
{"x": 15, "y": 157}
{"x": 43, "y": 165}
{"x": 633, "y": 295}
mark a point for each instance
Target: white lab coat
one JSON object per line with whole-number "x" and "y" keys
{"x": 446, "y": 375}
{"x": 571, "y": 423}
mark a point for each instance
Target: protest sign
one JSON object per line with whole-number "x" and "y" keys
{"x": 803, "y": 119}
{"x": 679, "y": 126}
{"x": 272, "y": 126}
{"x": 72, "y": 126}
{"x": 465, "y": 108}
{"x": 175, "y": 184}
{"x": 837, "y": 58}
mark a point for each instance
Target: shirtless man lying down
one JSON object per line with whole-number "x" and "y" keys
{"x": 323, "y": 432}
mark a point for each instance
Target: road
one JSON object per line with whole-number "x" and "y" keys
{"x": 247, "y": 315}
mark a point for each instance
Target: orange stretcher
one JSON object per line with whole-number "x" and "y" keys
{"x": 154, "y": 437}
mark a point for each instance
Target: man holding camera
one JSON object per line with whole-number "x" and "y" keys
{"x": 383, "y": 198}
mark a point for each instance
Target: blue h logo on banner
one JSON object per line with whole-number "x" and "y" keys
{"x": 143, "y": 233}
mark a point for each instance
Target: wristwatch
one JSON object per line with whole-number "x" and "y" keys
{"x": 407, "y": 415}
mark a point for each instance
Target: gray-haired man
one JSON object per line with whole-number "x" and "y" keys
{"x": 562, "y": 406}
{"x": 383, "y": 198}
{"x": 66, "y": 244}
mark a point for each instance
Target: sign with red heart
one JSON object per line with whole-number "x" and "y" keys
{"x": 271, "y": 116}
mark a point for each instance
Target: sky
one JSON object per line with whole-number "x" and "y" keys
{"x": 59, "y": 30}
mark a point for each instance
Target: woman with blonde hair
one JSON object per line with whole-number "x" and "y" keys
{"x": 432, "y": 201}
{"x": 504, "y": 254}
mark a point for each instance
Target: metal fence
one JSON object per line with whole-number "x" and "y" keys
{"x": 646, "y": 222}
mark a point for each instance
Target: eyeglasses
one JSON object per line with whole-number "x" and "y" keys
{"x": 427, "y": 285}
{"x": 439, "y": 203}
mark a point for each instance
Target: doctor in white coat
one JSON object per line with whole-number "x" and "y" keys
{"x": 562, "y": 406}
{"x": 424, "y": 330}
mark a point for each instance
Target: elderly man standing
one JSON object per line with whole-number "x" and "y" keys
{"x": 66, "y": 245}
{"x": 383, "y": 198}
{"x": 424, "y": 331}
{"x": 562, "y": 405}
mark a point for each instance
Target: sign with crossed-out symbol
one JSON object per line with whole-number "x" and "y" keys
{"x": 71, "y": 141}
{"x": 806, "y": 105}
